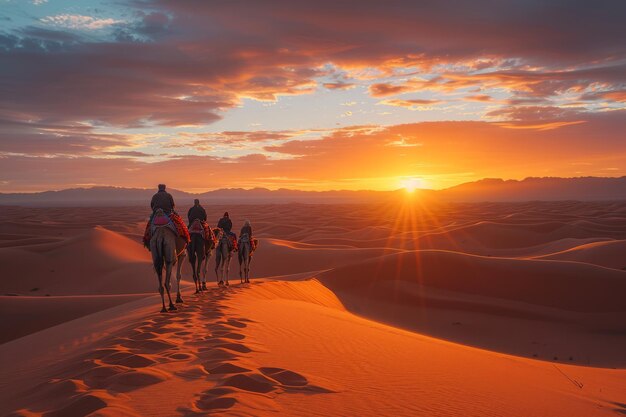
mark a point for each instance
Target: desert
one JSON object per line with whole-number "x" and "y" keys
{"x": 353, "y": 309}
{"x": 312, "y": 208}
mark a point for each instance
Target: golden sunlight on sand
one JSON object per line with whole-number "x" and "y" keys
{"x": 411, "y": 308}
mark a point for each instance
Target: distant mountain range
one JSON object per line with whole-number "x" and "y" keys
{"x": 541, "y": 189}
{"x": 529, "y": 189}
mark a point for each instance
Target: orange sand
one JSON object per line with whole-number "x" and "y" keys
{"x": 447, "y": 310}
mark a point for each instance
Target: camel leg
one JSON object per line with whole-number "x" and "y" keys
{"x": 246, "y": 263}
{"x": 227, "y": 266}
{"x": 168, "y": 281}
{"x": 192, "y": 261}
{"x": 247, "y": 268}
{"x": 179, "y": 276}
{"x": 220, "y": 259}
{"x": 205, "y": 269}
{"x": 240, "y": 272}
{"x": 198, "y": 270}
{"x": 161, "y": 290}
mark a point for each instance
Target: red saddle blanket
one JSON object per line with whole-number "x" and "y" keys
{"x": 199, "y": 226}
{"x": 233, "y": 243}
{"x": 175, "y": 219}
{"x": 253, "y": 242}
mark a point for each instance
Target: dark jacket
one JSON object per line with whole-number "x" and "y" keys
{"x": 196, "y": 212}
{"x": 226, "y": 224}
{"x": 246, "y": 229}
{"x": 162, "y": 200}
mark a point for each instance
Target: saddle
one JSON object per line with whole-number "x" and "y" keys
{"x": 231, "y": 239}
{"x": 160, "y": 219}
{"x": 196, "y": 227}
{"x": 245, "y": 238}
{"x": 201, "y": 227}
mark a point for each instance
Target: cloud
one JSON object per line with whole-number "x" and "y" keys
{"x": 77, "y": 21}
{"x": 535, "y": 113}
{"x": 339, "y": 86}
{"x": 131, "y": 154}
{"x": 55, "y": 140}
{"x": 215, "y": 54}
{"x": 385, "y": 89}
{"x": 355, "y": 157}
{"x": 414, "y": 104}
{"x": 69, "y": 78}
{"x": 482, "y": 98}
{"x": 614, "y": 96}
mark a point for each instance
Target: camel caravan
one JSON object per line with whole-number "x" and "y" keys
{"x": 169, "y": 240}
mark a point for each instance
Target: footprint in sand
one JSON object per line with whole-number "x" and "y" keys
{"x": 181, "y": 356}
{"x": 193, "y": 372}
{"x": 81, "y": 406}
{"x": 148, "y": 346}
{"x": 216, "y": 327}
{"x": 98, "y": 374}
{"x": 213, "y": 403}
{"x": 237, "y": 323}
{"x": 232, "y": 335}
{"x": 135, "y": 379}
{"x": 291, "y": 381}
{"x": 237, "y": 347}
{"x": 128, "y": 359}
{"x": 144, "y": 335}
{"x": 226, "y": 368}
{"x": 250, "y": 382}
{"x": 284, "y": 376}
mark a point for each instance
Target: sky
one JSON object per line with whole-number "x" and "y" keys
{"x": 331, "y": 94}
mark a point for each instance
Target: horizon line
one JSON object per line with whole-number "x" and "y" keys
{"x": 420, "y": 189}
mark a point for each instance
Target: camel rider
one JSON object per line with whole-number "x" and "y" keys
{"x": 227, "y": 225}
{"x": 246, "y": 229}
{"x": 196, "y": 212}
{"x": 162, "y": 200}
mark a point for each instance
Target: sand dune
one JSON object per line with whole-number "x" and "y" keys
{"x": 286, "y": 257}
{"x": 234, "y": 351}
{"x": 26, "y": 315}
{"x": 528, "y": 298}
{"x": 96, "y": 261}
{"x": 610, "y": 254}
{"x": 546, "y": 309}
{"x": 564, "y": 285}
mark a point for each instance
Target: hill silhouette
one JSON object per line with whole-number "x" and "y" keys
{"x": 490, "y": 189}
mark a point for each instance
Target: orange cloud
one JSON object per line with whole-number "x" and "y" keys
{"x": 339, "y": 86}
{"x": 360, "y": 157}
{"x": 414, "y": 104}
{"x": 479, "y": 97}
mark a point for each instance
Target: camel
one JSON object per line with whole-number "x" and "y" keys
{"x": 167, "y": 248}
{"x": 245, "y": 257}
{"x": 223, "y": 253}
{"x": 199, "y": 251}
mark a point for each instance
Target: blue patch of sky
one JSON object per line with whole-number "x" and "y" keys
{"x": 19, "y": 14}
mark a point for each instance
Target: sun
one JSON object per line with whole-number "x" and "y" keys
{"x": 411, "y": 184}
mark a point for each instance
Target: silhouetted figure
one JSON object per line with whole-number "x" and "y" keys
{"x": 162, "y": 200}
{"x": 196, "y": 212}
{"x": 246, "y": 229}
{"x": 226, "y": 224}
